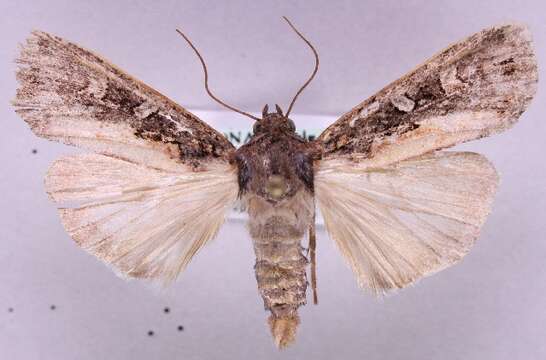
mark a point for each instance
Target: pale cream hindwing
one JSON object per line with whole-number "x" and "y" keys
{"x": 400, "y": 222}
{"x": 145, "y": 222}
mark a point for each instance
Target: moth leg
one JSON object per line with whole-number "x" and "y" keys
{"x": 312, "y": 255}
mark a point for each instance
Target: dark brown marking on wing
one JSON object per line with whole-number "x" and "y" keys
{"x": 85, "y": 85}
{"x": 471, "y": 75}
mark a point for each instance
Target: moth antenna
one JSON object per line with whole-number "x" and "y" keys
{"x": 207, "y": 80}
{"x": 314, "y": 71}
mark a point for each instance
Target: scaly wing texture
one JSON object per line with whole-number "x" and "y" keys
{"x": 159, "y": 182}
{"x": 71, "y": 95}
{"x": 146, "y": 223}
{"x": 400, "y": 222}
{"x": 473, "y": 89}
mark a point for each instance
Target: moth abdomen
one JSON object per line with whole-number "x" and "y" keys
{"x": 282, "y": 283}
{"x": 277, "y": 230}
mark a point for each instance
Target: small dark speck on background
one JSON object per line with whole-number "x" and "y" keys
{"x": 34, "y": 151}
{"x": 52, "y": 307}
{"x": 166, "y": 310}
{"x": 10, "y": 309}
{"x": 150, "y": 333}
{"x": 180, "y": 328}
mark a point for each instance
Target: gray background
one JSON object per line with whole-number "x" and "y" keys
{"x": 490, "y": 306}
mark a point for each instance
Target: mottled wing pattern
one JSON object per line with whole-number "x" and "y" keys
{"x": 474, "y": 88}
{"x": 397, "y": 209}
{"x": 71, "y": 95}
{"x": 145, "y": 222}
{"x": 406, "y": 220}
{"x": 138, "y": 201}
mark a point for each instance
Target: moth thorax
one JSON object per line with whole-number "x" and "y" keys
{"x": 276, "y": 186}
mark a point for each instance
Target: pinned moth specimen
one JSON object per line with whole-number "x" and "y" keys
{"x": 157, "y": 181}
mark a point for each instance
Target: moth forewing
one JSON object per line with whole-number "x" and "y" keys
{"x": 474, "y": 88}
{"x": 71, "y": 95}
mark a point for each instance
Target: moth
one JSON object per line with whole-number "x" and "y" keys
{"x": 157, "y": 182}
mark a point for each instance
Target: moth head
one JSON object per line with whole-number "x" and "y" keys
{"x": 274, "y": 122}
